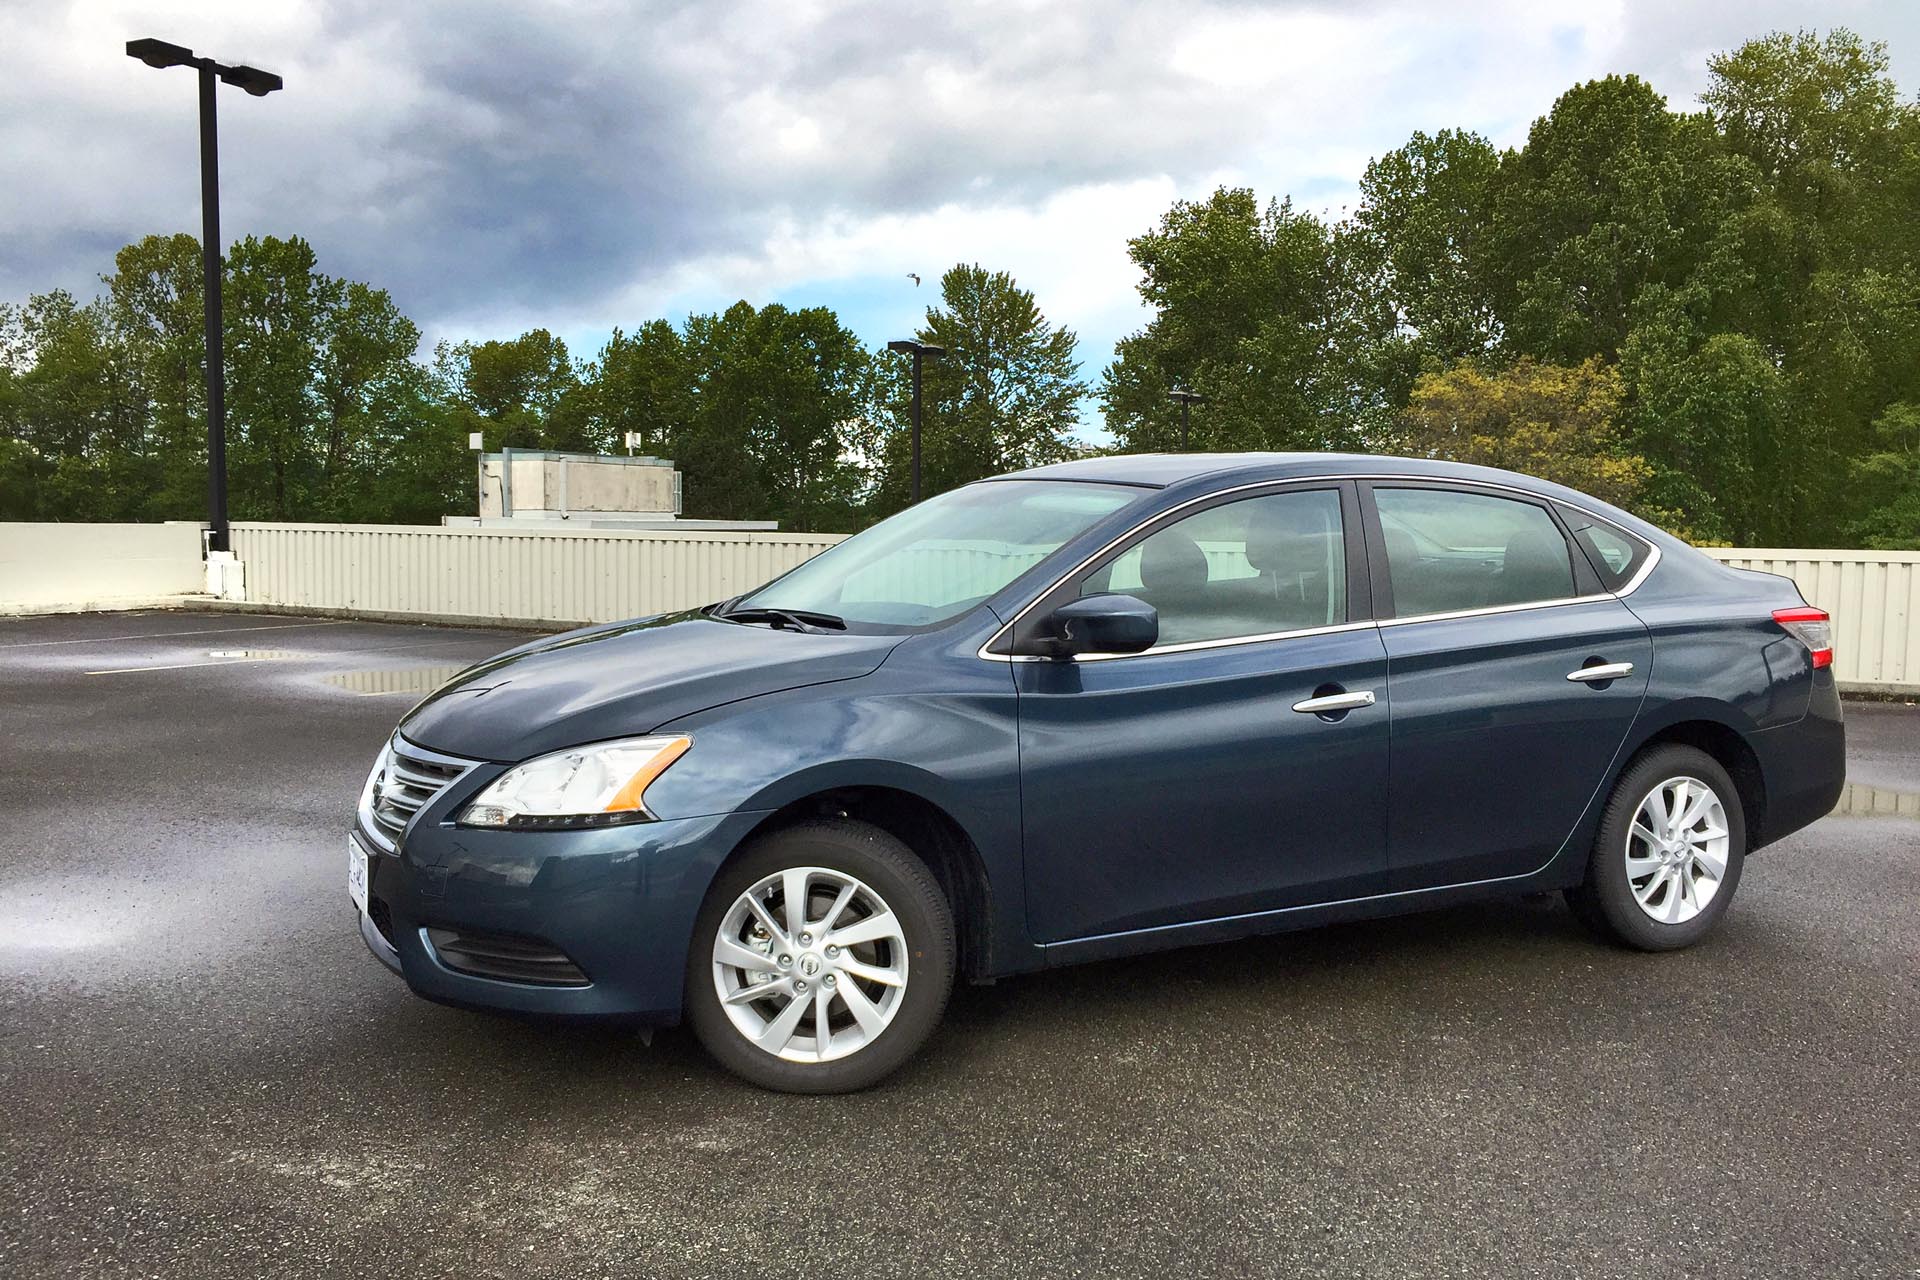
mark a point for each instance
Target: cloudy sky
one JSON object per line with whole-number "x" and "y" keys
{"x": 586, "y": 165}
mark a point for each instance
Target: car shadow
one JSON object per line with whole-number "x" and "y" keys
{"x": 1380, "y": 969}
{"x": 1283, "y": 966}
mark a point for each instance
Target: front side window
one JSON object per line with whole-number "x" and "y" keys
{"x": 1449, "y": 551}
{"x": 933, "y": 561}
{"x": 1258, "y": 566}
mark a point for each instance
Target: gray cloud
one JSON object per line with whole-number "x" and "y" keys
{"x": 495, "y": 160}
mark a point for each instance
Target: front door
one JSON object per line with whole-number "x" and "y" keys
{"x": 1502, "y": 735}
{"x": 1185, "y": 783}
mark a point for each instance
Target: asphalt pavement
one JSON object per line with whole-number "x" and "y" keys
{"x": 202, "y": 1072}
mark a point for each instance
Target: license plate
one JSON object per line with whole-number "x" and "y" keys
{"x": 357, "y": 874}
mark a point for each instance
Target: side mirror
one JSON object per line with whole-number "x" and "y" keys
{"x": 1104, "y": 624}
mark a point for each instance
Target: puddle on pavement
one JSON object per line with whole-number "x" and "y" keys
{"x": 1862, "y": 801}
{"x": 395, "y": 680}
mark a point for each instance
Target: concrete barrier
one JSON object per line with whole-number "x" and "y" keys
{"x": 562, "y": 577}
{"x": 60, "y": 567}
{"x": 532, "y": 576}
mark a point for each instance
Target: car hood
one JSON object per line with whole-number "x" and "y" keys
{"x": 626, "y": 678}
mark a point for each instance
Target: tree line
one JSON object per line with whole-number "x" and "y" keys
{"x": 1709, "y": 317}
{"x": 770, "y": 412}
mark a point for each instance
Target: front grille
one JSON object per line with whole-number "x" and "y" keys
{"x": 404, "y": 780}
{"x": 505, "y": 957}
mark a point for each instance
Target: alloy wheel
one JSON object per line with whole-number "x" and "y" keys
{"x": 810, "y": 964}
{"x": 1677, "y": 850}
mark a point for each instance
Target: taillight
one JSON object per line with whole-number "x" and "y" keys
{"x": 1812, "y": 628}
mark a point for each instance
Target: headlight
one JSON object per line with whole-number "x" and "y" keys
{"x": 593, "y": 786}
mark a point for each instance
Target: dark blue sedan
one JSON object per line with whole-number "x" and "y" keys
{"x": 1089, "y": 710}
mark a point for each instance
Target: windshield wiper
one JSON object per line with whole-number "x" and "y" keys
{"x": 798, "y": 619}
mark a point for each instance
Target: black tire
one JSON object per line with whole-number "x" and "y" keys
{"x": 891, "y": 870}
{"x": 1605, "y": 902}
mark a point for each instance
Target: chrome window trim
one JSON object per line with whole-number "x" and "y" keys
{"x": 1185, "y": 646}
{"x": 1646, "y": 566}
{"x": 1653, "y": 559}
{"x": 1491, "y": 609}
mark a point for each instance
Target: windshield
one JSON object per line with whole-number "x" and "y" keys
{"x": 934, "y": 561}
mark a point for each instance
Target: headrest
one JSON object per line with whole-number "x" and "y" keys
{"x": 1401, "y": 548}
{"x": 1171, "y": 559}
{"x": 1286, "y": 535}
{"x": 1535, "y": 567}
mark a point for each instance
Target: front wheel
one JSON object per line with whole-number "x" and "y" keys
{"x": 1668, "y": 854}
{"x": 822, "y": 959}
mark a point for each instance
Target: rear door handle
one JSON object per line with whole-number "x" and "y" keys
{"x": 1603, "y": 671}
{"x": 1335, "y": 702}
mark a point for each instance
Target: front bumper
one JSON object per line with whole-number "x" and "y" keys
{"x": 619, "y": 902}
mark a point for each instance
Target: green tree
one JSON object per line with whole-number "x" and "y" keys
{"x": 640, "y": 383}
{"x": 369, "y": 393}
{"x": 275, "y": 300}
{"x": 75, "y": 411}
{"x": 154, "y": 296}
{"x": 774, "y": 396}
{"x": 1419, "y": 243}
{"x": 23, "y": 477}
{"x": 1853, "y": 351}
{"x": 513, "y": 390}
{"x": 1252, "y": 308}
{"x": 1818, "y": 117}
{"x": 1715, "y": 422}
{"x": 1556, "y": 422}
{"x": 1889, "y": 481}
{"x": 1004, "y": 397}
{"x": 1612, "y": 194}
{"x": 817, "y": 375}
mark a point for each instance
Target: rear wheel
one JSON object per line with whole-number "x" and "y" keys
{"x": 1668, "y": 854}
{"x": 823, "y": 959}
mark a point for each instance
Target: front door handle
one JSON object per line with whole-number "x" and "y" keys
{"x": 1336, "y": 702}
{"x": 1601, "y": 671}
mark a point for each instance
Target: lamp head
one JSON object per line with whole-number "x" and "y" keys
{"x": 255, "y": 81}
{"x": 908, "y": 346}
{"x": 158, "y": 53}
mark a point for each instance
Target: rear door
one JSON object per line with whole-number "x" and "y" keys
{"x": 1513, "y": 677}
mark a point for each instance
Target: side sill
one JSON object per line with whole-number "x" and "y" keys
{"x": 1285, "y": 919}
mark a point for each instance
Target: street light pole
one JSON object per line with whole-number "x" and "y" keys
{"x": 917, "y": 350}
{"x": 210, "y": 290}
{"x": 1186, "y": 400}
{"x": 158, "y": 53}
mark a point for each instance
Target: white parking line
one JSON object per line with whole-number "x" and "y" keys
{"x": 177, "y": 666}
{"x": 162, "y": 635}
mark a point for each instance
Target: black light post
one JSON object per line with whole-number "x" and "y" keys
{"x": 917, "y": 350}
{"x": 158, "y": 53}
{"x": 1186, "y": 400}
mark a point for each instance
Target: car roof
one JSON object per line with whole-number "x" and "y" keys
{"x": 1207, "y": 471}
{"x": 1159, "y": 470}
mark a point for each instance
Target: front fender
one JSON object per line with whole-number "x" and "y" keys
{"x": 934, "y": 721}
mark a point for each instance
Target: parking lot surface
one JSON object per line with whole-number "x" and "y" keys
{"x": 204, "y": 1073}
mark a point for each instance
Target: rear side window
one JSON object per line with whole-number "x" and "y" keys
{"x": 1257, "y": 566}
{"x": 1616, "y": 554}
{"x": 1449, "y": 551}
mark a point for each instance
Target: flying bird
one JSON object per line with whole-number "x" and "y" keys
{"x": 914, "y": 276}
